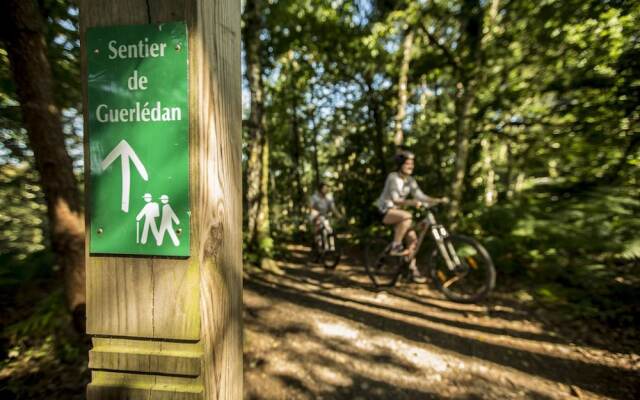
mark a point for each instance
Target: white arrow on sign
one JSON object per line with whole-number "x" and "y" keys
{"x": 126, "y": 154}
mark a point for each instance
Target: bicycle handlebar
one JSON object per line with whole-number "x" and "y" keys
{"x": 428, "y": 205}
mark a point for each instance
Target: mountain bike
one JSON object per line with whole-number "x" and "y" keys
{"x": 460, "y": 267}
{"x": 325, "y": 247}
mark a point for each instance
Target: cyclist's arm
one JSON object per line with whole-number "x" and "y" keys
{"x": 396, "y": 198}
{"x": 334, "y": 209}
{"x": 406, "y": 202}
{"x": 312, "y": 203}
{"x": 431, "y": 201}
{"x": 422, "y": 198}
{"x": 394, "y": 191}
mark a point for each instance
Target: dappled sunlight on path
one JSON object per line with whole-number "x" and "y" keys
{"x": 312, "y": 333}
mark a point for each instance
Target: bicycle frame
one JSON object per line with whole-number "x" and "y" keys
{"x": 325, "y": 231}
{"x": 444, "y": 264}
{"x": 439, "y": 234}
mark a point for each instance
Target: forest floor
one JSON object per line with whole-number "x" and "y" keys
{"x": 312, "y": 333}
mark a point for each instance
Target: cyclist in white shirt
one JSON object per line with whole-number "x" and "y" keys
{"x": 321, "y": 204}
{"x": 397, "y": 189}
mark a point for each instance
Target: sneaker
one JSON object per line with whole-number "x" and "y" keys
{"x": 416, "y": 276}
{"x": 397, "y": 250}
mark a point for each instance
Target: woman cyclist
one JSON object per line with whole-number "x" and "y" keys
{"x": 397, "y": 188}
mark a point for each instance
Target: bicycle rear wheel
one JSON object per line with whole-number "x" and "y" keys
{"x": 383, "y": 269}
{"x": 472, "y": 279}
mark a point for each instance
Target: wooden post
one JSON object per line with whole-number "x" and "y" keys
{"x": 172, "y": 328}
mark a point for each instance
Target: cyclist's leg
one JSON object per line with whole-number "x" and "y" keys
{"x": 412, "y": 241}
{"x": 327, "y": 224}
{"x": 401, "y": 221}
{"x": 330, "y": 239}
{"x": 314, "y": 216}
{"x": 321, "y": 222}
{"x": 313, "y": 220}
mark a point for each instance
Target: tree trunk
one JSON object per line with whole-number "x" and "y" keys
{"x": 378, "y": 128}
{"x": 403, "y": 92}
{"x": 508, "y": 176}
{"x": 295, "y": 137}
{"x": 424, "y": 100}
{"x": 469, "y": 77}
{"x": 23, "y": 34}
{"x": 263, "y": 229}
{"x": 464, "y": 100}
{"x": 251, "y": 34}
{"x": 314, "y": 146}
{"x": 379, "y": 138}
{"x": 490, "y": 194}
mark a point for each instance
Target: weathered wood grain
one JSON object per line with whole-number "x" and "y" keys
{"x": 178, "y": 365}
{"x": 167, "y": 328}
{"x": 215, "y": 75}
{"x": 106, "y": 385}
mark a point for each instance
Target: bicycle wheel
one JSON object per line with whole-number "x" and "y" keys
{"x": 331, "y": 254}
{"x": 315, "y": 255}
{"x": 472, "y": 279}
{"x": 383, "y": 269}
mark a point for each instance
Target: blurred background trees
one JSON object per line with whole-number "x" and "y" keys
{"x": 25, "y": 40}
{"x": 525, "y": 113}
{"x": 41, "y": 218}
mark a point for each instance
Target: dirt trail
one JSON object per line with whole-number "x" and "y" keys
{"x": 316, "y": 334}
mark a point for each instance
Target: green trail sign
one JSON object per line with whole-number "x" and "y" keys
{"x": 138, "y": 109}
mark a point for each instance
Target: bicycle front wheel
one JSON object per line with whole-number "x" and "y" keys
{"x": 473, "y": 275}
{"x": 331, "y": 255}
{"x": 383, "y": 269}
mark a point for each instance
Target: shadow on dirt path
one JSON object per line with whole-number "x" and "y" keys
{"x": 312, "y": 333}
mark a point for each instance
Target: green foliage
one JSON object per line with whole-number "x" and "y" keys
{"x": 23, "y": 218}
{"x": 575, "y": 246}
{"x": 48, "y": 325}
{"x": 42, "y": 354}
{"x": 551, "y": 182}
{"x": 16, "y": 271}
{"x": 22, "y": 213}
{"x": 37, "y": 324}
{"x": 265, "y": 244}
{"x": 63, "y": 41}
{"x": 35, "y": 327}
{"x": 548, "y": 227}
